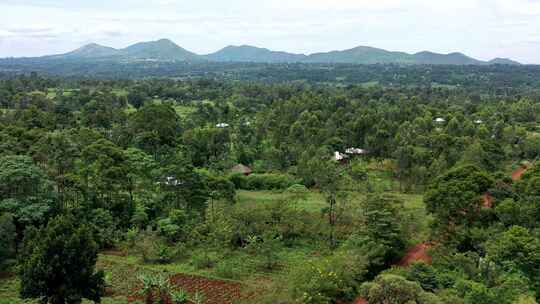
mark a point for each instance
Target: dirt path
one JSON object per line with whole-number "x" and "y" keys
{"x": 519, "y": 172}
{"x": 419, "y": 252}
{"x": 487, "y": 201}
{"x": 416, "y": 254}
{"x": 360, "y": 301}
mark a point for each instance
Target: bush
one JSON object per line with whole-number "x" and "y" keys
{"x": 203, "y": 260}
{"x": 322, "y": 282}
{"x": 395, "y": 289}
{"x": 153, "y": 249}
{"x": 267, "y": 181}
{"x": 266, "y": 249}
{"x": 228, "y": 270}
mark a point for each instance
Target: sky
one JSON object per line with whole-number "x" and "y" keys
{"x": 483, "y": 29}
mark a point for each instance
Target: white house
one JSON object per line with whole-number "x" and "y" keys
{"x": 440, "y": 120}
{"x": 355, "y": 151}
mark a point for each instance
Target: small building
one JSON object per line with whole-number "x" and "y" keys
{"x": 222, "y": 125}
{"x": 241, "y": 169}
{"x": 355, "y": 151}
{"x": 440, "y": 120}
{"x": 171, "y": 181}
{"x": 340, "y": 157}
{"x": 478, "y": 121}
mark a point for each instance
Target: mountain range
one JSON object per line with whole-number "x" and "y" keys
{"x": 166, "y": 50}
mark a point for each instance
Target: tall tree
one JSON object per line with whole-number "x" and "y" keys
{"x": 57, "y": 263}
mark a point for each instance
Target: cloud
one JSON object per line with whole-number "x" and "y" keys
{"x": 30, "y": 30}
{"x": 481, "y": 28}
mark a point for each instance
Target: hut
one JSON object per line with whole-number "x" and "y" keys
{"x": 340, "y": 157}
{"x": 242, "y": 169}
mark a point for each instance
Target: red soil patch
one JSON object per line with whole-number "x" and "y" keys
{"x": 519, "y": 172}
{"x": 360, "y": 301}
{"x": 416, "y": 254}
{"x": 487, "y": 201}
{"x": 213, "y": 291}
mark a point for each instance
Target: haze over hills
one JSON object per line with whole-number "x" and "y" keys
{"x": 166, "y": 50}
{"x": 247, "y": 53}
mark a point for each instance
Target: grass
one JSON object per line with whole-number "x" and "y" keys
{"x": 184, "y": 111}
{"x": 315, "y": 200}
{"x": 9, "y": 294}
{"x": 415, "y": 210}
{"x": 120, "y": 92}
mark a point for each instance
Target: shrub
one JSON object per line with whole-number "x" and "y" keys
{"x": 153, "y": 249}
{"x": 203, "y": 260}
{"x": 267, "y": 181}
{"x": 155, "y": 288}
{"x": 266, "y": 249}
{"x": 228, "y": 270}
{"x": 390, "y": 288}
{"x": 321, "y": 282}
{"x": 179, "y": 296}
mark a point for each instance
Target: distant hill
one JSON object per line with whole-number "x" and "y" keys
{"x": 166, "y": 50}
{"x": 247, "y": 53}
{"x": 92, "y": 50}
{"x": 163, "y": 49}
{"x": 361, "y": 55}
{"x": 504, "y": 61}
{"x": 452, "y": 59}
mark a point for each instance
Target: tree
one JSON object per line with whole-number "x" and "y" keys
{"x": 395, "y": 289}
{"x": 25, "y": 191}
{"x": 57, "y": 152}
{"x": 327, "y": 176}
{"x": 57, "y": 263}
{"x": 150, "y": 135}
{"x": 454, "y": 198}
{"x": 137, "y": 97}
{"x": 103, "y": 174}
{"x": 380, "y": 237}
{"x": 206, "y": 145}
{"x": 7, "y": 237}
{"x": 182, "y": 186}
{"x": 517, "y": 250}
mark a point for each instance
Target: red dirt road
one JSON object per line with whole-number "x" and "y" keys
{"x": 519, "y": 172}
{"x": 419, "y": 252}
{"x": 360, "y": 301}
{"x": 416, "y": 254}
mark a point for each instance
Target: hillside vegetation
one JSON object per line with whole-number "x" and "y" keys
{"x": 216, "y": 190}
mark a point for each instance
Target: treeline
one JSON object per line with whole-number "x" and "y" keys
{"x": 490, "y": 79}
